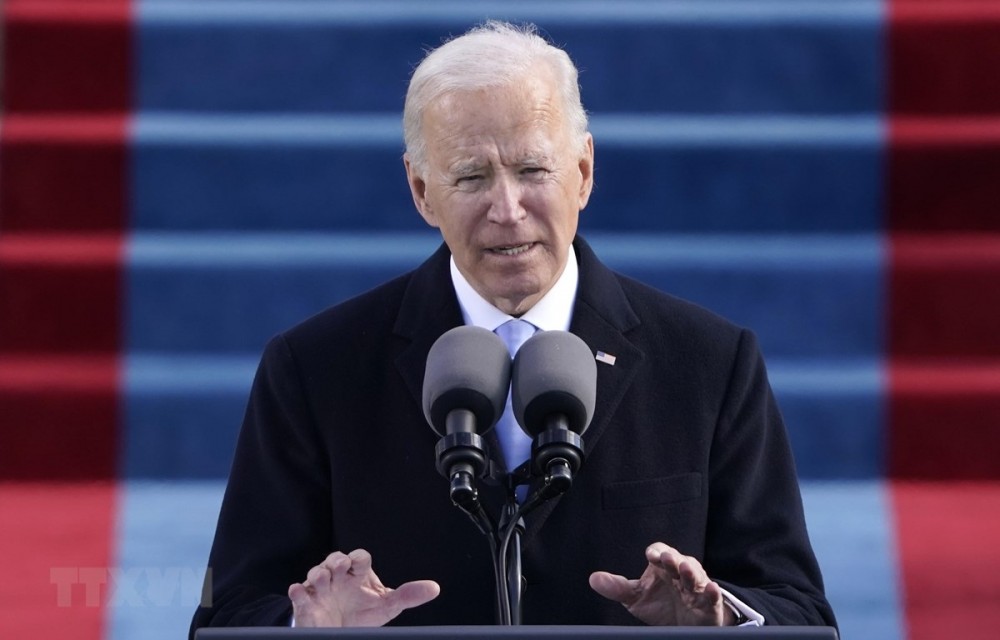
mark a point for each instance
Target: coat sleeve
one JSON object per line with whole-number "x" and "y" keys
{"x": 275, "y": 523}
{"x": 757, "y": 546}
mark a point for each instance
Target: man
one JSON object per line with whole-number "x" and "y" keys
{"x": 686, "y": 511}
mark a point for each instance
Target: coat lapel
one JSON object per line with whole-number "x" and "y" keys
{"x": 602, "y": 317}
{"x": 428, "y": 308}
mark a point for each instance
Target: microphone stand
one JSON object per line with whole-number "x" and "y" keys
{"x": 558, "y": 479}
{"x": 509, "y": 556}
{"x": 557, "y": 453}
{"x": 504, "y": 539}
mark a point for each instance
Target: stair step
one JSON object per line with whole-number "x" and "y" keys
{"x": 336, "y": 172}
{"x": 54, "y": 531}
{"x": 63, "y": 173}
{"x": 67, "y": 56}
{"x": 60, "y": 418}
{"x": 60, "y": 293}
{"x": 943, "y": 173}
{"x": 805, "y": 296}
{"x": 942, "y": 57}
{"x": 717, "y": 57}
{"x": 654, "y": 173}
{"x": 944, "y": 296}
{"x": 948, "y": 524}
{"x": 853, "y": 532}
{"x": 944, "y": 420}
{"x": 230, "y": 292}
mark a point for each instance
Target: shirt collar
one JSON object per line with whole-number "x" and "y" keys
{"x": 552, "y": 313}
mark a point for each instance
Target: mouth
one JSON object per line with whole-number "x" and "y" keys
{"x": 512, "y": 249}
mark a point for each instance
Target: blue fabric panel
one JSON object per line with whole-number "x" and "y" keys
{"x": 805, "y": 297}
{"x": 652, "y": 174}
{"x": 853, "y": 534}
{"x": 835, "y": 414}
{"x": 164, "y": 535}
{"x": 635, "y": 56}
{"x": 182, "y": 414}
{"x": 229, "y": 295}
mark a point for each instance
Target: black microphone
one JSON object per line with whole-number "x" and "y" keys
{"x": 554, "y": 392}
{"x": 465, "y": 389}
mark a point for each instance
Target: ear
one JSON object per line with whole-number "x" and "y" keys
{"x": 586, "y": 167}
{"x": 418, "y": 189}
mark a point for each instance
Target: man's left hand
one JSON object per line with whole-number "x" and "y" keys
{"x": 673, "y": 590}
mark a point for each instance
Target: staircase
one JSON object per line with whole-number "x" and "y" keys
{"x": 180, "y": 180}
{"x": 943, "y": 227}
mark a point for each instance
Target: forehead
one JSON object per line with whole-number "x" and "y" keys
{"x": 522, "y": 119}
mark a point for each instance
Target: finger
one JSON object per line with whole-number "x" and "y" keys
{"x": 414, "y": 594}
{"x": 322, "y": 582}
{"x": 614, "y": 587}
{"x": 711, "y": 603}
{"x": 668, "y": 564}
{"x": 337, "y": 563}
{"x": 361, "y": 562}
{"x": 313, "y": 577}
{"x": 298, "y": 594}
{"x": 713, "y": 592}
{"x": 334, "y": 559}
{"x": 692, "y": 576}
{"x": 656, "y": 550}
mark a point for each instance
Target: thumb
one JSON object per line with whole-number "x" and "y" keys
{"x": 416, "y": 593}
{"x": 612, "y": 586}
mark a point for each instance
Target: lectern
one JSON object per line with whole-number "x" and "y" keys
{"x": 524, "y": 632}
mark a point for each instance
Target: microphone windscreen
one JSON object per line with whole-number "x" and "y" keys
{"x": 554, "y": 373}
{"x": 467, "y": 368}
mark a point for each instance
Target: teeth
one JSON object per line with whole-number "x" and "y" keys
{"x": 512, "y": 251}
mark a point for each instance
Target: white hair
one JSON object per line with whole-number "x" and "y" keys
{"x": 494, "y": 54}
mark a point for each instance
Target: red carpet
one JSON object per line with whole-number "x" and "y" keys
{"x": 947, "y": 536}
{"x": 67, "y": 91}
{"x": 54, "y": 527}
{"x": 943, "y": 211}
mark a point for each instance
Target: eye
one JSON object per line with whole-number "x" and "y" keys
{"x": 469, "y": 179}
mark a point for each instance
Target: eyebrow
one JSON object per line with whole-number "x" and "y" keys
{"x": 539, "y": 160}
{"x": 466, "y": 167}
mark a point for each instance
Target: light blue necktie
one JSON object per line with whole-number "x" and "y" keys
{"x": 515, "y": 443}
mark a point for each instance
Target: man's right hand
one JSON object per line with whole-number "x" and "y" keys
{"x": 343, "y": 591}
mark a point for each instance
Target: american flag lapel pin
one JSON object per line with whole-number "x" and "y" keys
{"x": 606, "y": 358}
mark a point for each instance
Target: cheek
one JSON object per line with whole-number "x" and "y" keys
{"x": 460, "y": 219}
{"x": 560, "y": 210}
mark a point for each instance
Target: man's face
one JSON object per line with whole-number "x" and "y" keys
{"x": 504, "y": 183}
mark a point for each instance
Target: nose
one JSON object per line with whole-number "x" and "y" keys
{"x": 505, "y": 201}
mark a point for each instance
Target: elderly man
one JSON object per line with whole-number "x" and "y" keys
{"x": 687, "y": 510}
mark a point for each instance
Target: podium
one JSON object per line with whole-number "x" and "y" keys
{"x": 523, "y": 632}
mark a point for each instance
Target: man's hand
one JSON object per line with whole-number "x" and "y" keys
{"x": 343, "y": 591}
{"x": 673, "y": 590}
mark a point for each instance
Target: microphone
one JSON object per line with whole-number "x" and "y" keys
{"x": 553, "y": 394}
{"x": 465, "y": 389}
